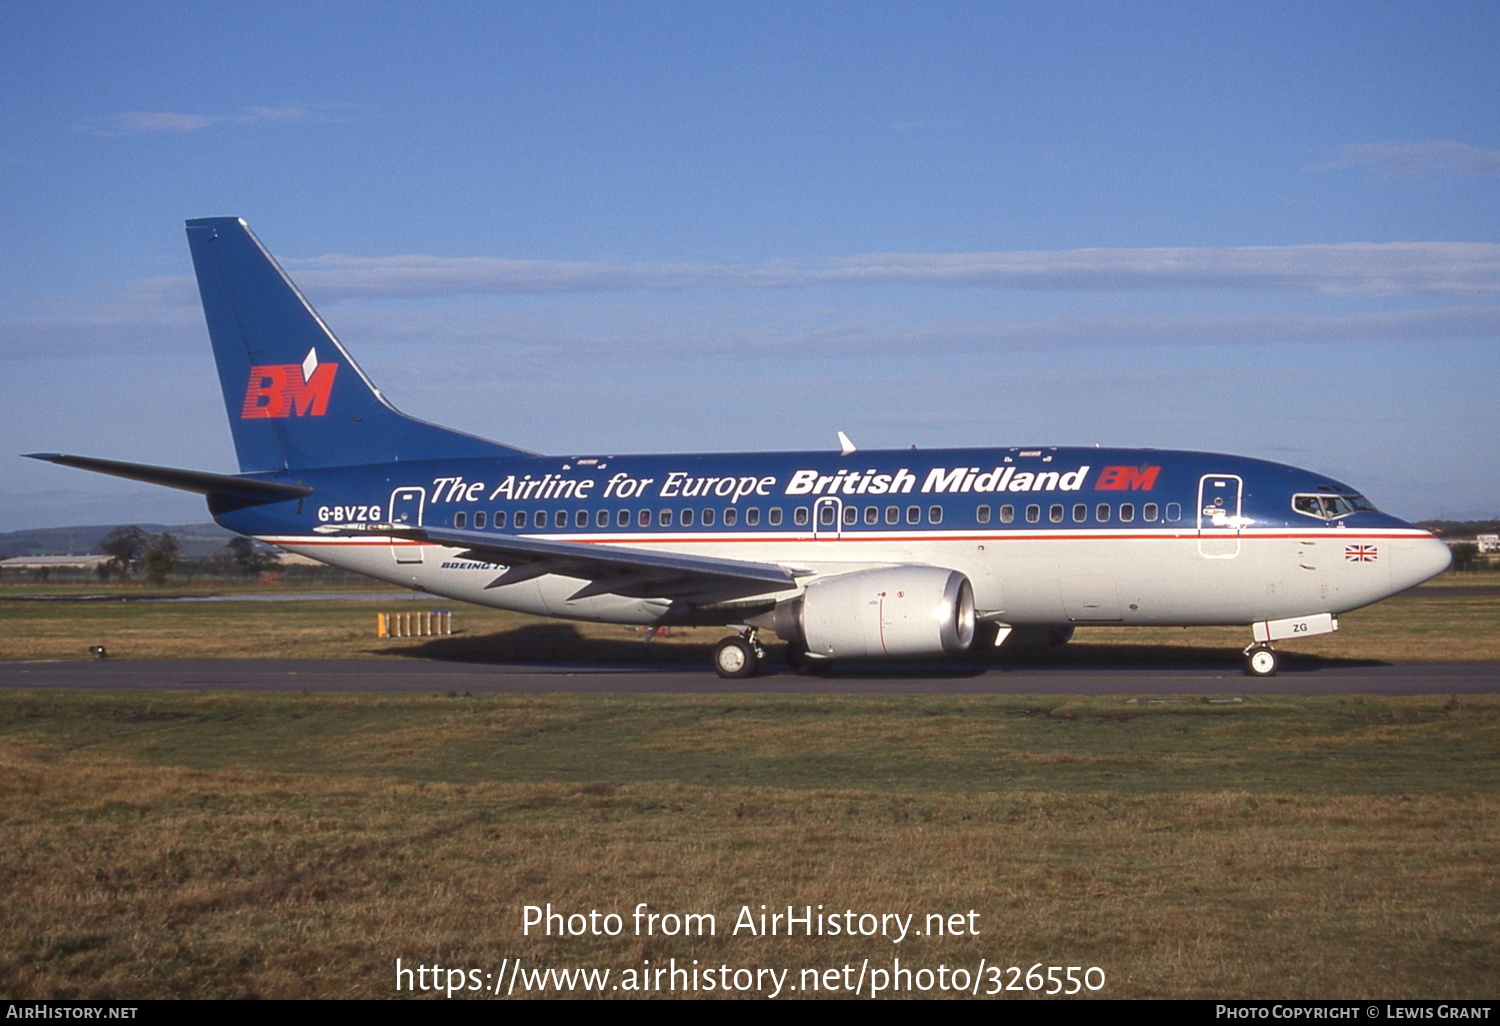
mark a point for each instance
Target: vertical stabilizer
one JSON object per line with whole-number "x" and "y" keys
{"x": 294, "y": 396}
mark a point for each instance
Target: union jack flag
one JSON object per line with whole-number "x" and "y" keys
{"x": 1361, "y": 553}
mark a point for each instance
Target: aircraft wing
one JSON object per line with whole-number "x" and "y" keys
{"x": 603, "y": 569}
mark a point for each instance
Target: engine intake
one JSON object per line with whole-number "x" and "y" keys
{"x": 881, "y": 614}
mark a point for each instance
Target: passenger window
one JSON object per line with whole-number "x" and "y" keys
{"x": 622, "y": 518}
{"x": 1174, "y": 512}
{"x": 601, "y": 518}
{"x": 731, "y": 516}
{"x": 1007, "y": 514}
{"x": 1080, "y": 513}
{"x": 851, "y": 515}
{"x": 982, "y": 515}
{"x": 752, "y": 516}
{"x": 520, "y": 518}
{"x": 479, "y": 519}
{"x": 914, "y": 514}
{"x": 774, "y": 517}
{"x": 872, "y": 514}
{"x": 1101, "y": 512}
{"x": 708, "y": 518}
{"x": 1127, "y": 512}
{"x": 687, "y": 518}
{"x": 934, "y": 514}
{"x": 800, "y": 517}
{"x": 499, "y": 518}
{"x": 664, "y": 518}
{"x": 892, "y": 515}
{"x": 459, "y": 519}
{"x": 643, "y": 518}
{"x": 825, "y": 515}
{"x": 581, "y": 518}
{"x": 1055, "y": 513}
{"x": 1149, "y": 512}
{"x": 1033, "y": 514}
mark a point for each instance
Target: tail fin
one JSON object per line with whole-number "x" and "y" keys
{"x": 295, "y": 398}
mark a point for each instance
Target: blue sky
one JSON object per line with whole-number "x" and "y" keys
{"x": 1269, "y": 229}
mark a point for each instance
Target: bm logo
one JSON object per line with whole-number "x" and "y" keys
{"x": 289, "y": 389}
{"x": 1119, "y": 479}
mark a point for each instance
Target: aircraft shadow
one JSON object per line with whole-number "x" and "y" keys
{"x": 561, "y": 644}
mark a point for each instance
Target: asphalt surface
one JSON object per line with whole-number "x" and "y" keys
{"x": 1212, "y": 676}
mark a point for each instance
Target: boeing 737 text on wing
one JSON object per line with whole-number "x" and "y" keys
{"x": 846, "y": 554}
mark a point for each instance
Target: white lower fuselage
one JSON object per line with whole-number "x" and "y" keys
{"x": 1163, "y": 576}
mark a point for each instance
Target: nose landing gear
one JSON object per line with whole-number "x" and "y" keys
{"x": 1261, "y": 660}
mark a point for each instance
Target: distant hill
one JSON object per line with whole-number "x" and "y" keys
{"x": 197, "y": 540}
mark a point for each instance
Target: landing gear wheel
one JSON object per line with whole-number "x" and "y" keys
{"x": 1261, "y": 661}
{"x": 736, "y": 658}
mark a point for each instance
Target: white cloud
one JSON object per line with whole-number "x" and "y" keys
{"x": 560, "y": 335}
{"x": 932, "y": 125}
{"x": 161, "y": 315}
{"x": 1395, "y": 268}
{"x": 142, "y": 122}
{"x": 133, "y": 122}
{"x": 1414, "y": 159}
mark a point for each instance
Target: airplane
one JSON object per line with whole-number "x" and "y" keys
{"x": 844, "y": 555}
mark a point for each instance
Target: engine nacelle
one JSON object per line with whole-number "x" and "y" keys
{"x": 880, "y": 614}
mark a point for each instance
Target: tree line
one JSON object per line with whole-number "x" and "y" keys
{"x": 132, "y": 550}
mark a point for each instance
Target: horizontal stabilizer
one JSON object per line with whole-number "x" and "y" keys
{"x": 199, "y": 481}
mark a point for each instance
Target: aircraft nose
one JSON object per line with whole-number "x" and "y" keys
{"x": 1414, "y": 560}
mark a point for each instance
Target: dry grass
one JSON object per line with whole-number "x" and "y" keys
{"x": 295, "y": 845}
{"x": 1424, "y": 627}
{"x": 1287, "y": 848}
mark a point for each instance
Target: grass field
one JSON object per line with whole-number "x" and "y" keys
{"x": 1417, "y": 627}
{"x": 296, "y": 845}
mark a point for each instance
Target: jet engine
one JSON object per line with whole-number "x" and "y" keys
{"x": 881, "y": 614}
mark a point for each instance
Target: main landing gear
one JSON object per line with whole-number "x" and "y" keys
{"x": 739, "y": 657}
{"x": 1261, "y": 660}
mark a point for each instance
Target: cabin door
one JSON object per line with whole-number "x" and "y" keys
{"x": 406, "y": 510}
{"x": 1219, "y": 519}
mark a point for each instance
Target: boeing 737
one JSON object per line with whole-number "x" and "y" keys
{"x": 844, "y": 554}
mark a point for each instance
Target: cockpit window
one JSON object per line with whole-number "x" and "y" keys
{"x": 1331, "y": 507}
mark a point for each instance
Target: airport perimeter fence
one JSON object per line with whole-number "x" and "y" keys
{"x": 424, "y": 624}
